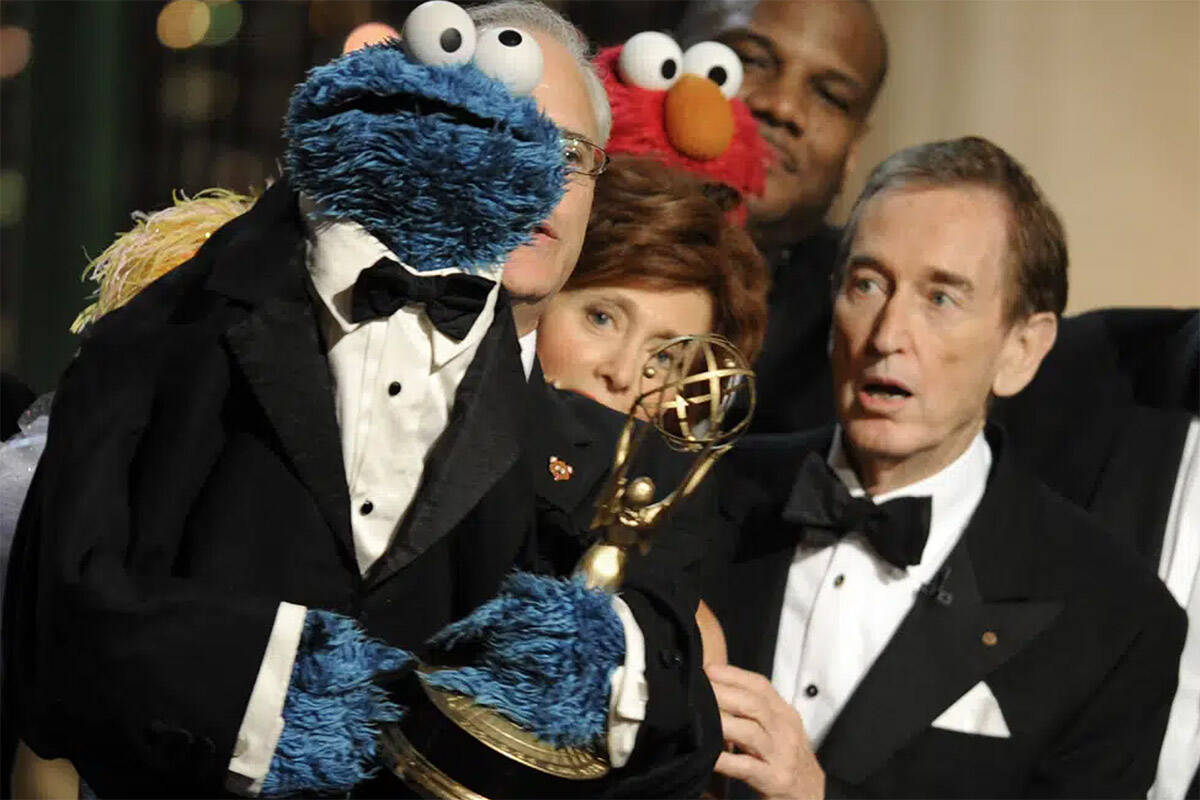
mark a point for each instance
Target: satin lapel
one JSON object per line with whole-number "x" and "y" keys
{"x": 939, "y": 652}
{"x": 278, "y": 350}
{"x": 283, "y": 360}
{"x": 480, "y": 444}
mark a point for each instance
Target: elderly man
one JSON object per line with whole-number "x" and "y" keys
{"x": 813, "y": 69}
{"x": 293, "y": 423}
{"x": 934, "y": 622}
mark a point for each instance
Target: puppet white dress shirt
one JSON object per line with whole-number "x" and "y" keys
{"x": 394, "y": 382}
{"x": 843, "y": 603}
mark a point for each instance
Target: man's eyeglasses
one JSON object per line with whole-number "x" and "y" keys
{"x": 583, "y": 157}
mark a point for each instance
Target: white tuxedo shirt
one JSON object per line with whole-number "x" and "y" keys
{"x": 843, "y": 603}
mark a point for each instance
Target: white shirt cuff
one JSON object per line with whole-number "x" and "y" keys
{"x": 263, "y": 721}
{"x": 629, "y": 691}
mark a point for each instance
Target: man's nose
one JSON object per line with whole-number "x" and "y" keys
{"x": 892, "y": 332}
{"x": 778, "y": 106}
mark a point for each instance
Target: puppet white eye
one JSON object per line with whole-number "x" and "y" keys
{"x": 511, "y": 56}
{"x": 439, "y": 33}
{"x": 716, "y": 62}
{"x": 650, "y": 60}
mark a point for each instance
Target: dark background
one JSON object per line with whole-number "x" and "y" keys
{"x": 103, "y": 119}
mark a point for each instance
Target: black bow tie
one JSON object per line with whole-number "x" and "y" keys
{"x": 452, "y": 302}
{"x": 821, "y": 503}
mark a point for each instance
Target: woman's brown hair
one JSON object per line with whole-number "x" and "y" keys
{"x": 656, "y": 227}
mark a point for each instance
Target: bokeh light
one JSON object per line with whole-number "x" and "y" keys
{"x": 183, "y": 23}
{"x": 16, "y": 46}
{"x": 195, "y": 94}
{"x": 369, "y": 33}
{"x": 225, "y": 19}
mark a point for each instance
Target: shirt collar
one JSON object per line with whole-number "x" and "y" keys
{"x": 528, "y": 345}
{"x": 338, "y": 250}
{"x": 952, "y": 488}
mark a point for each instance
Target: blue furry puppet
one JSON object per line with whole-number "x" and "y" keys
{"x": 200, "y": 560}
{"x": 448, "y": 168}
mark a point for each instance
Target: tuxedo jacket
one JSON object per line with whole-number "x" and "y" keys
{"x": 1104, "y": 421}
{"x": 193, "y": 479}
{"x": 1082, "y": 660}
{"x": 584, "y": 433}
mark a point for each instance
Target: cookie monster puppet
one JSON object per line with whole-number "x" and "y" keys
{"x": 191, "y": 513}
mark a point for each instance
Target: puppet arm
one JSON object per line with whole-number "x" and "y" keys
{"x": 332, "y": 708}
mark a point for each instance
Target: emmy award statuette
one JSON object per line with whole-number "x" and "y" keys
{"x": 696, "y": 393}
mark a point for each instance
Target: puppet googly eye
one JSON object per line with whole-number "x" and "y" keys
{"x": 650, "y": 60}
{"x": 511, "y": 56}
{"x": 439, "y": 33}
{"x": 716, "y": 62}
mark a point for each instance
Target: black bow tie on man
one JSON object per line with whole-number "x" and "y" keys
{"x": 896, "y": 529}
{"x": 452, "y": 302}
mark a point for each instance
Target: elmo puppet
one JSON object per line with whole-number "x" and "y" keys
{"x": 679, "y": 107}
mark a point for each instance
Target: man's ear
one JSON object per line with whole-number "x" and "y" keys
{"x": 1025, "y": 345}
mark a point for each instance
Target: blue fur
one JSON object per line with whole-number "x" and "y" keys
{"x": 439, "y": 193}
{"x": 548, "y": 649}
{"x": 332, "y": 707}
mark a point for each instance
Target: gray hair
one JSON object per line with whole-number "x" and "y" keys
{"x": 1037, "y": 242}
{"x": 532, "y": 15}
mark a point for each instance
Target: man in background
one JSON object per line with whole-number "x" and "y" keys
{"x": 813, "y": 69}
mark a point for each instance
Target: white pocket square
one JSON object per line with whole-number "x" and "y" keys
{"x": 975, "y": 712}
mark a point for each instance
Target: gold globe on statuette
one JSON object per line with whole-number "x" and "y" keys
{"x": 696, "y": 394}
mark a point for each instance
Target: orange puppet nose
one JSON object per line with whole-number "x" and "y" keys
{"x": 698, "y": 118}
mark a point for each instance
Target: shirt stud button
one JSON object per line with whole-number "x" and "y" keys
{"x": 839, "y": 580}
{"x": 394, "y": 388}
{"x": 989, "y": 639}
{"x": 366, "y": 507}
{"x": 811, "y": 690}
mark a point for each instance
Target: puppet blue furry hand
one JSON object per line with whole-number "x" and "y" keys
{"x": 332, "y": 708}
{"x": 546, "y": 648}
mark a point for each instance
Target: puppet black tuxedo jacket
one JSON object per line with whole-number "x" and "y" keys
{"x": 193, "y": 479}
{"x": 584, "y": 433}
{"x": 661, "y": 586}
{"x": 1083, "y": 665}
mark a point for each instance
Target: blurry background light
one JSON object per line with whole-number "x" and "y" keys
{"x": 16, "y": 46}
{"x": 225, "y": 19}
{"x": 183, "y": 23}
{"x": 369, "y": 33}
{"x": 195, "y": 94}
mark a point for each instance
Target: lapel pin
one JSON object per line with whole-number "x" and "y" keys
{"x": 990, "y": 638}
{"x": 560, "y": 470}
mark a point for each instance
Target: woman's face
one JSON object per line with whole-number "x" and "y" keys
{"x": 595, "y": 341}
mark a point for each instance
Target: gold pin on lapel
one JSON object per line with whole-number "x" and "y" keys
{"x": 990, "y": 638}
{"x": 560, "y": 470}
